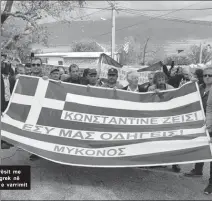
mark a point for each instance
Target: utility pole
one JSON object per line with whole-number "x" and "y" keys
{"x": 113, "y": 32}
{"x": 200, "y": 54}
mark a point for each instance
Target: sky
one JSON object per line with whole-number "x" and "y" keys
{"x": 96, "y": 14}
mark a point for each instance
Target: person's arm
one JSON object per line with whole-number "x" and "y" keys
{"x": 209, "y": 112}
{"x": 169, "y": 86}
{"x": 151, "y": 88}
{"x": 166, "y": 71}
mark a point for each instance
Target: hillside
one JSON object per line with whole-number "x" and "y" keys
{"x": 161, "y": 32}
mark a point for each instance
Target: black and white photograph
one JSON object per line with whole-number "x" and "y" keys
{"x": 106, "y": 100}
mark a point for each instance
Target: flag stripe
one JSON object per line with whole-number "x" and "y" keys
{"x": 58, "y": 91}
{"x": 51, "y": 117}
{"x": 18, "y": 112}
{"x": 127, "y": 150}
{"x": 89, "y": 143}
{"x": 27, "y": 85}
{"x": 75, "y": 107}
{"x": 128, "y": 105}
{"x": 97, "y": 136}
{"x": 114, "y": 120}
{"x": 172, "y": 157}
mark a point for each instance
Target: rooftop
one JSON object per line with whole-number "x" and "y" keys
{"x": 73, "y": 54}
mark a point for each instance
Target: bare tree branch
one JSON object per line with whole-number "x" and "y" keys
{"x": 144, "y": 52}
{"x": 7, "y": 9}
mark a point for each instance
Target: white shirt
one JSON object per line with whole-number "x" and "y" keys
{"x": 129, "y": 89}
{"x": 6, "y": 87}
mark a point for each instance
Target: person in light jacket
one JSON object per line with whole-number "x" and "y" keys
{"x": 208, "y": 189}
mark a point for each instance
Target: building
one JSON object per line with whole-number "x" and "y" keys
{"x": 82, "y": 59}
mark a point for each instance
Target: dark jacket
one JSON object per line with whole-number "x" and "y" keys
{"x": 146, "y": 86}
{"x": 12, "y": 84}
{"x": 175, "y": 80}
{"x": 140, "y": 88}
{"x": 204, "y": 96}
{"x": 69, "y": 79}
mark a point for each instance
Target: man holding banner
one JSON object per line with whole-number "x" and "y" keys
{"x": 112, "y": 79}
{"x": 132, "y": 78}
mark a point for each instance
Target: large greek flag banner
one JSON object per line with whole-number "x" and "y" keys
{"x": 99, "y": 127}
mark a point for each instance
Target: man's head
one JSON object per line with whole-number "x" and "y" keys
{"x": 186, "y": 73}
{"x": 92, "y": 76}
{"x": 36, "y": 64}
{"x": 55, "y": 74}
{"x": 160, "y": 80}
{"x": 28, "y": 69}
{"x": 207, "y": 75}
{"x": 132, "y": 78}
{"x": 15, "y": 62}
{"x": 20, "y": 69}
{"x": 74, "y": 71}
{"x": 112, "y": 76}
{"x": 61, "y": 70}
{"x": 85, "y": 72}
{"x": 5, "y": 67}
{"x": 199, "y": 75}
{"x": 150, "y": 77}
{"x": 173, "y": 72}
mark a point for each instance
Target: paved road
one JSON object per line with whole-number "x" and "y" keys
{"x": 54, "y": 181}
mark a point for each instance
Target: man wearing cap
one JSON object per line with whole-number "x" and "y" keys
{"x": 55, "y": 74}
{"x": 112, "y": 79}
{"x": 92, "y": 77}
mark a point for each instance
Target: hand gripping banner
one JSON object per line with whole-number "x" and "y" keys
{"x": 99, "y": 127}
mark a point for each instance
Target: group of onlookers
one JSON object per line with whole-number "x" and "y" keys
{"x": 168, "y": 79}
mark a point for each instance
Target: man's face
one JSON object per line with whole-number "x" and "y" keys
{"x": 92, "y": 79}
{"x": 21, "y": 70}
{"x": 112, "y": 78}
{"x": 55, "y": 75}
{"x": 28, "y": 71}
{"x": 173, "y": 72}
{"x": 150, "y": 78}
{"x": 61, "y": 71}
{"x": 161, "y": 82}
{"x": 207, "y": 76}
{"x": 36, "y": 66}
{"x": 74, "y": 74}
{"x": 133, "y": 79}
{"x": 187, "y": 76}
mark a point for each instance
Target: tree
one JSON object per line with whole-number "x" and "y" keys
{"x": 178, "y": 60}
{"x": 29, "y": 14}
{"x": 194, "y": 54}
{"x": 86, "y": 46}
{"x": 139, "y": 53}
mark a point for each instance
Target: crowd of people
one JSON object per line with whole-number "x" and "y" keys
{"x": 171, "y": 78}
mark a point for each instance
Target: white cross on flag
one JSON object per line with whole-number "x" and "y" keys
{"x": 92, "y": 126}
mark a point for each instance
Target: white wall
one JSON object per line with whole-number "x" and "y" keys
{"x": 54, "y": 60}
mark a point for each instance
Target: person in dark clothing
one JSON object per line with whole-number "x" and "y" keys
{"x": 74, "y": 75}
{"x": 199, "y": 75}
{"x": 175, "y": 77}
{"x": 165, "y": 70}
{"x": 28, "y": 69}
{"x": 208, "y": 189}
{"x": 150, "y": 83}
{"x": 204, "y": 92}
{"x": 84, "y": 79}
{"x": 7, "y": 86}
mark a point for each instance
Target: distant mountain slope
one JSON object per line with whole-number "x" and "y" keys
{"x": 159, "y": 30}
